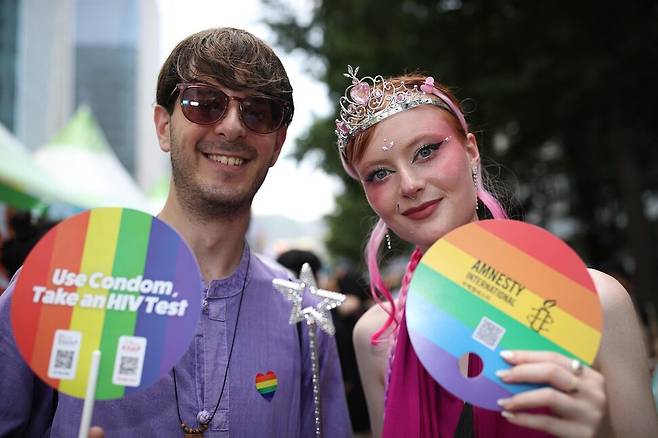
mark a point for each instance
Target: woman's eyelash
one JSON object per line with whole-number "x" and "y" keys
{"x": 432, "y": 146}
{"x": 371, "y": 175}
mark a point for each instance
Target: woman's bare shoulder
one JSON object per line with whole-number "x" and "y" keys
{"x": 372, "y": 361}
{"x": 614, "y": 297}
{"x": 371, "y": 321}
{"x": 623, "y": 360}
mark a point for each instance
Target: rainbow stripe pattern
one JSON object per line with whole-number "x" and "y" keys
{"x": 516, "y": 275}
{"x": 115, "y": 242}
{"x": 266, "y": 384}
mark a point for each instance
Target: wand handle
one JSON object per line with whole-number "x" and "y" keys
{"x": 88, "y": 407}
{"x": 315, "y": 368}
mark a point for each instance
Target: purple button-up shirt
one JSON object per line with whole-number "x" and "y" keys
{"x": 264, "y": 342}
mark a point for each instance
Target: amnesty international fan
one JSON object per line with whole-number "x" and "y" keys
{"x": 498, "y": 285}
{"x": 111, "y": 280}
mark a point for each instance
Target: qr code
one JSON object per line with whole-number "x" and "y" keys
{"x": 128, "y": 366}
{"x": 64, "y": 359}
{"x": 488, "y": 333}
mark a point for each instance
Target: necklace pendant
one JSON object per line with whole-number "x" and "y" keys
{"x": 193, "y": 432}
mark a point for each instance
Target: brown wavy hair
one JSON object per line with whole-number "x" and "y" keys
{"x": 233, "y": 57}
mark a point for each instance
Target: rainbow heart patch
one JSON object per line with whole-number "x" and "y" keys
{"x": 266, "y": 384}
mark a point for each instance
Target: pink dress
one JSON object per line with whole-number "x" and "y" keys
{"x": 417, "y": 406}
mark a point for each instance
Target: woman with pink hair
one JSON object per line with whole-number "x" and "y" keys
{"x": 405, "y": 139}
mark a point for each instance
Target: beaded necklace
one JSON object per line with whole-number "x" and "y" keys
{"x": 191, "y": 432}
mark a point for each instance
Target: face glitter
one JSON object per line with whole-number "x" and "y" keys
{"x": 388, "y": 145}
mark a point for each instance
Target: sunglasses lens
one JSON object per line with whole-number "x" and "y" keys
{"x": 262, "y": 115}
{"x": 203, "y": 105}
{"x": 206, "y": 105}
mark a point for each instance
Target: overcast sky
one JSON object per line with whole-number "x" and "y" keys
{"x": 299, "y": 191}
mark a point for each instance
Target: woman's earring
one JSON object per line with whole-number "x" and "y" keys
{"x": 474, "y": 172}
{"x": 388, "y": 241}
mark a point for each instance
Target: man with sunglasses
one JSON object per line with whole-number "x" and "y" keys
{"x": 224, "y": 103}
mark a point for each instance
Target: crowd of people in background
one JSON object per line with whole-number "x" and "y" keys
{"x": 23, "y": 231}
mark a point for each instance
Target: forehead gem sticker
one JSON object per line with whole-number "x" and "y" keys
{"x": 388, "y": 145}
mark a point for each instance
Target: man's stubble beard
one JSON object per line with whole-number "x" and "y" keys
{"x": 204, "y": 201}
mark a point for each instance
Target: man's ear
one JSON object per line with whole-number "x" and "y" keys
{"x": 162, "y": 119}
{"x": 280, "y": 139}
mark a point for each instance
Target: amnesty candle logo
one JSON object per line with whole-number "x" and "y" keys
{"x": 542, "y": 317}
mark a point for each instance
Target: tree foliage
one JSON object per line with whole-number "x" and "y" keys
{"x": 562, "y": 97}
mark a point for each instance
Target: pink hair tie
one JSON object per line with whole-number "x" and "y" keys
{"x": 429, "y": 88}
{"x": 428, "y": 85}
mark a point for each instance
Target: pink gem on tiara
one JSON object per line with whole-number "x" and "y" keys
{"x": 342, "y": 127}
{"x": 360, "y": 93}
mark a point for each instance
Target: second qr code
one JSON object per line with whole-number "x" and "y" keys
{"x": 128, "y": 365}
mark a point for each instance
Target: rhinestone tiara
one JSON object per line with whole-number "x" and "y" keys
{"x": 369, "y": 100}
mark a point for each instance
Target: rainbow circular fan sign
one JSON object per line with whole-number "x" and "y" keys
{"x": 109, "y": 279}
{"x": 498, "y": 285}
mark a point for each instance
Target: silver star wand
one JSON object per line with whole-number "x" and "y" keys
{"x": 318, "y": 315}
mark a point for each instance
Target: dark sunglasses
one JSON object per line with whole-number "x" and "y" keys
{"x": 205, "y": 105}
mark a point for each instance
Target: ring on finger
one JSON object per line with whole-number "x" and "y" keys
{"x": 573, "y": 385}
{"x": 577, "y": 367}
